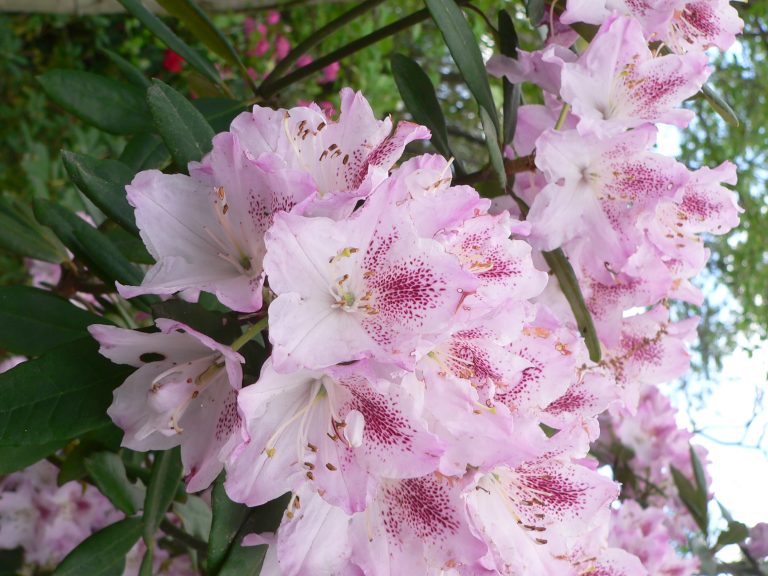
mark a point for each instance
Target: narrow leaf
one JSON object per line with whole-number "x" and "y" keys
{"x": 13, "y": 458}
{"x": 465, "y": 51}
{"x": 228, "y": 516}
{"x": 20, "y": 236}
{"x": 108, "y": 473}
{"x": 719, "y": 105}
{"x": 494, "y": 151}
{"x": 195, "y": 516}
{"x": 418, "y": 94}
{"x": 184, "y": 130}
{"x": 109, "y": 105}
{"x": 736, "y": 533}
{"x": 508, "y": 47}
{"x": 33, "y": 321}
{"x": 535, "y": 10}
{"x": 103, "y": 182}
{"x": 569, "y": 284}
{"x": 163, "y": 483}
{"x": 688, "y": 495}
{"x": 87, "y": 243}
{"x": 61, "y": 395}
{"x": 145, "y": 151}
{"x": 202, "y": 28}
{"x": 102, "y": 553}
{"x": 167, "y": 36}
{"x": 244, "y": 561}
{"x": 128, "y": 70}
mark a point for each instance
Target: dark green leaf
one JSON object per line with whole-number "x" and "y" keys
{"x": 145, "y": 151}
{"x": 166, "y": 35}
{"x": 698, "y": 473}
{"x": 508, "y": 45}
{"x": 103, "y": 182}
{"x": 688, "y": 494}
{"x": 465, "y": 51}
{"x": 128, "y": 70}
{"x": 569, "y": 284}
{"x": 720, "y": 106}
{"x": 146, "y": 563}
{"x": 129, "y": 245}
{"x": 228, "y": 516}
{"x": 20, "y": 236}
{"x": 221, "y": 327}
{"x": 202, "y": 28}
{"x": 494, "y": 150}
{"x": 219, "y": 112}
{"x": 107, "y": 471}
{"x": 418, "y": 94}
{"x": 33, "y": 321}
{"x": 184, "y": 130}
{"x": 103, "y": 102}
{"x": 61, "y": 395}
{"x": 163, "y": 483}
{"x": 102, "y": 553}
{"x": 13, "y": 458}
{"x": 735, "y": 534}
{"x": 535, "y": 10}
{"x": 11, "y": 561}
{"x": 87, "y": 243}
{"x": 195, "y": 516}
{"x": 244, "y": 561}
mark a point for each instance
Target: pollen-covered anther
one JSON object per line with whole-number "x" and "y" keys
{"x": 330, "y": 467}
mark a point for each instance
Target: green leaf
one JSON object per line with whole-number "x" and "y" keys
{"x": 61, "y": 395}
{"x": 146, "y": 563}
{"x": 203, "y": 29}
{"x": 228, "y": 516}
{"x": 145, "y": 151}
{"x": 688, "y": 494}
{"x": 219, "y": 112}
{"x": 535, "y": 10}
{"x": 163, "y": 483}
{"x": 720, "y": 106}
{"x": 508, "y": 46}
{"x": 129, "y": 245}
{"x": 109, "y": 105}
{"x": 244, "y": 561}
{"x": 220, "y": 327}
{"x": 33, "y": 321}
{"x": 128, "y": 70}
{"x": 735, "y": 534}
{"x": 166, "y": 35}
{"x": 20, "y": 236}
{"x": 107, "y": 471}
{"x": 494, "y": 150}
{"x": 88, "y": 244}
{"x": 466, "y": 53}
{"x": 418, "y": 94}
{"x": 195, "y": 515}
{"x": 103, "y": 182}
{"x": 102, "y": 553}
{"x": 11, "y": 561}
{"x": 569, "y": 284}
{"x": 184, "y": 130}
{"x": 13, "y": 458}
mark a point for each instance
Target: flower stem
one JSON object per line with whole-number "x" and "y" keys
{"x": 249, "y": 334}
{"x": 317, "y": 36}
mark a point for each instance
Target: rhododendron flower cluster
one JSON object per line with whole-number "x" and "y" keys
{"x": 48, "y": 521}
{"x": 428, "y": 400}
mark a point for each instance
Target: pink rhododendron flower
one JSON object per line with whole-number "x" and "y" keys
{"x": 48, "y": 521}
{"x": 282, "y": 47}
{"x": 330, "y": 73}
{"x": 184, "y": 392}
{"x": 642, "y": 87}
